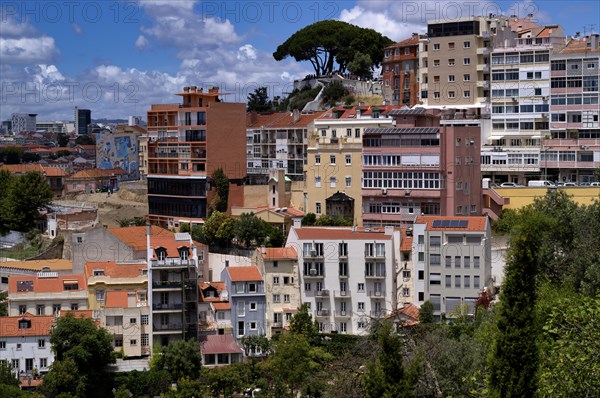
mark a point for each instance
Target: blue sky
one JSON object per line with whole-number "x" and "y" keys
{"x": 117, "y": 57}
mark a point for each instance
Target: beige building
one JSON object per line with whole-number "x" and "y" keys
{"x": 334, "y": 155}
{"x": 279, "y": 267}
{"x": 118, "y": 297}
{"x": 47, "y": 293}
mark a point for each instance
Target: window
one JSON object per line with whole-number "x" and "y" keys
{"x": 356, "y": 133}
{"x": 436, "y": 63}
{"x": 407, "y": 51}
{"x": 434, "y": 259}
{"x": 277, "y": 297}
{"x": 435, "y": 241}
{"x": 406, "y": 292}
{"x": 435, "y": 279}
{"x": 100, "y": 295}
{"x": 276, "y": 280}
{"x": 332, "y": 159}
{"x": 144, "y": 339}
{"x": 332, "y": 182}
{"x": 348, "y": 132}
{"x": 448, "y": 282}
{"x": 275, "y": 264}
{"x": 436, "y": 94}
{"x": 421, "y": 256}
{"x": 348, "y": 160}
{"x": 448, "y": 262}
{"x": 467, "y": 94}
{"x": 361, "y": 325}
{"x": 317, "y": 159}
{"x": 466, "y": 61}
{"x": 288, "y": 280}
{"x": 2, "y": 345}
{"x": 457, "y": 281}
{"x": 22, "y": 309}
{"x": 451, "y": 62}
{"x": 476, "y": 261}
{"x": 253, "y": 306}
{"x": 451, "y": 45}
{"x": 476, "y": 281}
{"x": 41, "y": 343}
{"x": 318, "y": 207}
{"x": 467, "y": 282}
{"x": 317, "y": 181}
{"x": 436, "y": 79}
{"x": 74, "y": 306}
{"x": 252, "y": 287}
{"x": 467, "y": 44}
{"x": 467, "y": 262}
{"x": 55, "y": 309}
{"x": 451, "y": 94}
{"x": 15, "y": 364}
{"x": 421, "y": 275}
{"x": 307, "y": 287}
{"x": 252, "y": 325}
{"x": 457, "y": 262}
{"x": 144, "y": 320}
{"x": 361, "y": 306}
{"x": 421, "y": 296}
{"x": 241, "y": 308}
{"x": 286, "y": 298}
{"x": 436, "y": 46}
{"x": 348, "y": 182}
{"x": 467, "y": 77}
{"x": 40, "y": 309}
{"x": 451, "y": 78}
{"x": 43, "y": 363}
{"x": 118, "y": 342}
{"x": 361, "y": 287}
{"x": 133, "y": 342}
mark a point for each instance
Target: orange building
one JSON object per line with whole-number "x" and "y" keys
{"x": 187, "y": 142}
{"x": 400, "y": 64}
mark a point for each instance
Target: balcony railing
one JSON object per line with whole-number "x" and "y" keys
{"x": 376, "y": 293}
{"x": 374, "y": 275}
{"x": 341, "y": 294}
{"x": 322, "y": 293}
{"x": 166, "y": 284}
{"x": 170, "y": 326}
{"x": 174, "y": 306}
{"x": 322, "y": 313}
{"x": 342, "y": 314}
{"x": 169, "y": 262}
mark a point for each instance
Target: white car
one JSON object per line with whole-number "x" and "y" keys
{"x": 510, "y": 185}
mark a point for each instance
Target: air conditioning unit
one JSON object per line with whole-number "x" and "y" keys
{"x": 378, "y": 294}
{"x": 313, "y": 253}
{"x": 313, "y": 271}
{"x": 384, "y": 191}
{"x": 343, "y": 313}
{"x": 343, "y": 292}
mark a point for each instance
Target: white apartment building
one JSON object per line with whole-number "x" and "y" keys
{"x": 46, "y": 293}
{"x": 25, "y": 343}
{"x": 347, "y": 275}
{"x": 452, "y": 258}
{"x": 23, "y": 122}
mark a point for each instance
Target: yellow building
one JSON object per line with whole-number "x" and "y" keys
{"x": 334, "y": 156}
{"x": 516, "y": 198}
{"x": 118, "y": 297}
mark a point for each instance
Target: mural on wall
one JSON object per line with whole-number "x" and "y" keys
{"x": 118, "y": 151}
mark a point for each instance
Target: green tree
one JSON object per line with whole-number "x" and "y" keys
{"x": 151, "y": 382}
{"x": 187, "y": 388}
{"x": 274, "y": 237}
{"x": 309, "y": 219}
{"x": 327, "y": 220}
{"x": 30, "y": 157}
{"x": 11, "y": 155}
{"x": 250, "y": 229}
{"x": 66, "y": 379}
{"x": 514, "y": 358}
{"x": 27, "y": 194}
{"x": 181, "y": 359}
{"x": 85, "y": 139}
{"x": 7, "y": 377}
{"x": 303, "y": 323}
{"x": 221, "y": 199}
{"x": 226, "y": 380}
{"x": 258, "y": 101}
{"x": 361, "y": 66}
{"x": 219, "y": 229}
{"x": 3, "y": 304}
{"x": 62, "y": 140}
{"x": 426, "y": 313}
{"x": 334, "y": 91}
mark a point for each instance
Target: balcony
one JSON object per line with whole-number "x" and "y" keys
{"x": 483, "y": 68}
{"x": 374, "y": 275}
{"x": 168, "y": 329}
{"x": 313, "y": 254}
{"x": 322, "y": 293}
{"x": 483, "y": 83}
{"x": 342, "y": 314}
{"x": 175, "y": 307}
{"x": 377, "y": 294}
{"x": 167, "y": 285}
{"x": 172, "y": 262}
{"x": 322, "y": 313}
{"x": 341, "y": 294}
{"x": 313, "y": 275}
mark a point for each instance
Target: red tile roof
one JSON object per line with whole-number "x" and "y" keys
{"x": 40, "y": 325}
{"x": 408, "y": 315}
{"x": 220, "y": 344}
{"x": 45, "y": 285}
{"x": 77, "y": 313}
{"x": 277, "y": 253}
{"x": 406, "y": 243}
{"x": 411, "y": 41}
{"x": 27, "y": 167}
{"x": 222, "y": 306}
{"x": 339, "y": 233}
{"x": 135, "y": 237}
{"x": 169, "y": 243}
{"x": 113, "y": 269}
{"x": 240, "y": 274}
{"x": 518, "y": 24}
{"x": 578, "y": 46}
{"x": 116, "y": 299}
{"x": 97, "y": 173}
{"x": 475, "y": 223}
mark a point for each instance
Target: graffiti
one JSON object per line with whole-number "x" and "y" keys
{"x": 118, "y": 151}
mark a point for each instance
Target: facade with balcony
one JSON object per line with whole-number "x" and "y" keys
{"x": 420, "y": 167}
{"x": 246, "y": 291}
{"x": 452, "y": 258}
{"x": 214, "y": 310}
{"x": 279, "y": 267}
{"x": 571, "y": 152}
{"x": 277, "y": 141}
{"x": 347, "y": 275}
{"x": 186, "y": 143}
{"x": 400, "y": 65}
{"x": 172, "y": 288}
{"x": 334, "y": 155}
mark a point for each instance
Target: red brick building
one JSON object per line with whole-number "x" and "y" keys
{"x": 400, "y": 65}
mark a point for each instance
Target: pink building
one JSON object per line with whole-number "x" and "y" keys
{"x": 418, "y": 166}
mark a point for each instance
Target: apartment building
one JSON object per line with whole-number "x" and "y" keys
{"x": 187, "y": 142}
{"x": 454, "y": 61}
{"x": 400, "y": 72}
{"x": 334, "y": 155}
{"x": 279, "y": 267}
{"x": 214, "y": 309}
{"x": 520, "y": 101}
{"x": 172, "y": 288}
{"x": 571, "y": 152}
{"x": 277, "y": 141}
{"x": 418, "y": 166}
{"x": 25, "y": 343}
{"x": 118, "y": 297}
{"x": 347, "y": 274}
{"x": 46, "y": 293}
{"x": 247, "y": 297}
{"x": 405, "y": 276}
{"x": 23, "y": 122}
{"x": 452, "y": 258}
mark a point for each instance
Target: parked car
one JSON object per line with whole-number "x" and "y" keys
{"x": 540, "y": 184}
{"x": 510, "y": 185}
{"x": 595, "y": 184}
{"x": 569, "y": 184}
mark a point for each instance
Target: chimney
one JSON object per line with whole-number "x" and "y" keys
{"x": 295, "y": 115}
{"x": 297, "y": 222}
{"x": 389, "y": 230}
{"x": 263, "y": 249}
{"x": 595, "y": 41}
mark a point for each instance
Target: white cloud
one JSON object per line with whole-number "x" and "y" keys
{"x": 27, "y": 50}
{"x": 76, "y": 28}
{"x": 246, "y": 52}
{"x": 382, "y": 22}
{"x": 141, "y": 42}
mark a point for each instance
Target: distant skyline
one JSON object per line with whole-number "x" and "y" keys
{"x": 118, "y": 57}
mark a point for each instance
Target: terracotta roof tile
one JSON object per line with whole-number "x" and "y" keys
{"x": 406, "y": 243}
{"x": 277, "y": 253}
{"x": 411, "y": 41}
{"x": 474, "y": 223}
{"x": 77, "y": 313}
{"x": 116, "y": 299}
{"x": 40, "y": 325}
{"x": 222, "y": 306}
{"x": 114, "y": 270}
{"x": 220, "y": 344}
{"x": 135, "y": 237}
{"x": 240, "y": 274}
{"x": 38, "y": 265}
{"x": 97, "y": 173}
{"x": 339, "y": 233}
{"x": 18, "y": 284}
{"x": 27, "y": 167}
{"x": 169, "y": 243}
